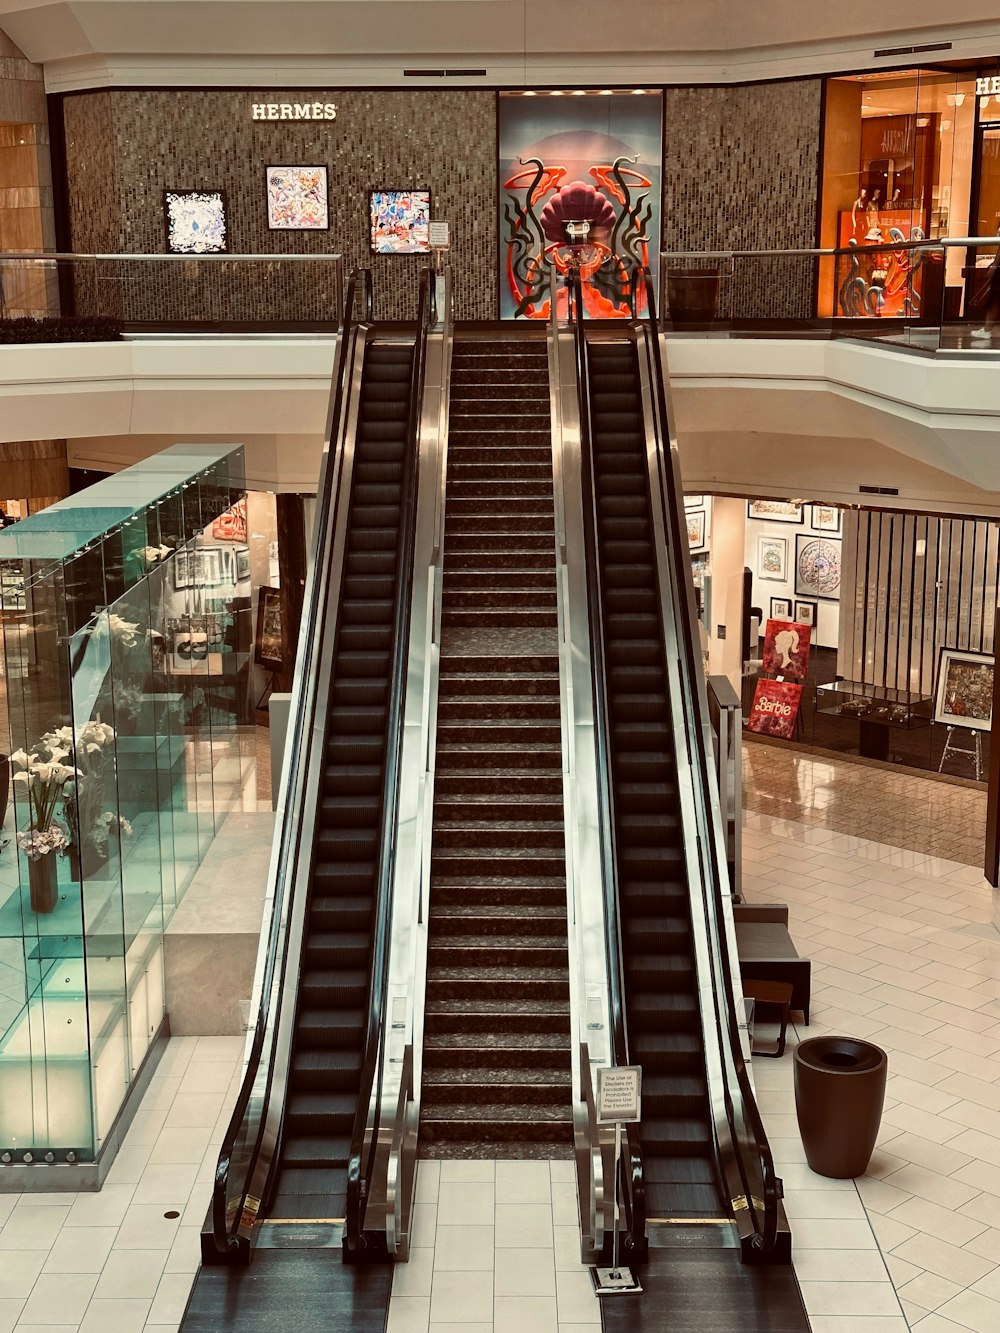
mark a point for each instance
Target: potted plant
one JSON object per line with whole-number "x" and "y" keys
{"x": 44, "y": 777}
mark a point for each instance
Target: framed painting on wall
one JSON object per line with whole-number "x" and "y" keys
{"x": 399, "y": 221}
{"x": 805, "y": 613}
{"x": 196, "y": 222}
{"x": 817, "y": 567}
{"x": 694, "y": 501}
{"x": 696, "y": 529}
{"x": 778, "y": 511}
{"x": 781, "y": 608}
{"x": 824, "y": 518}
{"x": 964, "y": 694}
{"x": 297, "y": 199}
{"x": 772, "y": 558}
{"x": 267, "y": 641}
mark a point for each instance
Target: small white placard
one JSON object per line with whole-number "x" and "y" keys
{"x": 618, "y": 1094}
{"x": 438, "y": 235}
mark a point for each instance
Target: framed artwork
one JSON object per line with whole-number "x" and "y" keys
{"x": 817, "y": 567}
{"x": 772, "y": 558}
{"x": 964, "y": 694}
{"x": 786, "y": 649}
{"x": 775, "y": 708}
{"x": 694, "y": 501}
{"x": 297, "y": 199}
{"x": 242, "y": 564}
{"x": 196, "y": 222}
{"x": 781, "y": 608}
{"x": 824, "y": 518}
{"x": 805, "y": 613}
{"x": 400, "y": 222}
{"x": 696, "y": 528}
{"x": 267, "y": 642}
{"x": 779, "y": 511}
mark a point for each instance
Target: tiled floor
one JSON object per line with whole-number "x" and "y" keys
{"x": 903, "y": 954}
{"x": 114, "y": 1262}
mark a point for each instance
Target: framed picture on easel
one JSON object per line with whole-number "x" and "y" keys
{"x": 964, "y": 694}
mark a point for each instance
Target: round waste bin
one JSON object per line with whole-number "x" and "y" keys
{"x": 839, "y": 1091}
{"x": 693, "y": 296}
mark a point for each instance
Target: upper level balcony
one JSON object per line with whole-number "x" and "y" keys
{"x": 891, "y": 392}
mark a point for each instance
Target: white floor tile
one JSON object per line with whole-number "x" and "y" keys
{"x": 461, "y": 1298}
{"x": 409, "y": 1314}
{"x": 849, "y": 1298}
{"x": 473, "y": 1172}
{"x": 466, "y": 1203}
{"x": 576, "y": 1299}
{"x": 127, "y": 1315}
{"x": 414, "y": 1277}
{"x": 929, "y": 1291}
{"x": 32, "y": 1227}
{"x": 145, "y": 1228}
{"x": 131, "y": 1273}
{"x": 18, "y": 1272}
{"x": 58, "y": 1298}
{"x": 524, "y": 1314}
{"x": 973, "y": 1311}
{"x": 80, "y": 1250}
{"x": 171, "y": 1299}
{"x": 525, "y": 1273}
{"x": 463, "y": 1249}
{"x": 525, "y": 1182}
{"x": 520, "y": 1226}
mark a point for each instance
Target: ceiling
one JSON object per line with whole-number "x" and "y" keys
{"x": 315, "y": 43}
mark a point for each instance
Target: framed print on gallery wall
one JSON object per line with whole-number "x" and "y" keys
{"x": 817, "y": 567}
{"x": 781, "y": 608}
{"x": 400, "y": 222}
{"x": 964, "y": 694}
{"x": 696, "y": 528}
{"x": 805, "y": 613}
{"x": 297, "y": 199}
{"x": 694, "y": 501}
{"x": 772, "y": 558}
{"x": 824, "y": 518}
{"x": 195, "y": 222}
{"x": 777, "y": 511}
{"x": 267, "y": 640}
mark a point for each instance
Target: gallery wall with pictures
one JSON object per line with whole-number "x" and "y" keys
{"x": 794, "y": 553}
{"x": 281, "y": 186}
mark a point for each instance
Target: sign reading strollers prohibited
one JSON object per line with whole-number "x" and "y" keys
{"x": 619, "y": 1094}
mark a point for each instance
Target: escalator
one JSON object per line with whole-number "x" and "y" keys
{"x": 662, "y": 1014}
{"x": 295, "y": 1176}
{"x": 697, "y": 1182}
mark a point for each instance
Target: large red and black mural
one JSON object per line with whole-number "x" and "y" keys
{"x": 580, "y": 188}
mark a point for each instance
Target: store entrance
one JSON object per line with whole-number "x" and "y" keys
{"x": 986, "y": 215}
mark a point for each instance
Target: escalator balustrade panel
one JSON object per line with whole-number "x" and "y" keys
{"x": 337, "y": 954}
{"x": 661, "y": 993}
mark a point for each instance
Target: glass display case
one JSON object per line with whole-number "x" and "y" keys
{"x": 124, "y": 696}
{"x": 877, "y": 708}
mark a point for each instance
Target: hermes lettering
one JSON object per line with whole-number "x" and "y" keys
{"x": 988, "y": 87}
{"x": 293, "y": 111}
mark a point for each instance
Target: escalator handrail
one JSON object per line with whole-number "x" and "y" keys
{"x": 300, "y": 730}
{"x": 634, "y": 1192}
{"x": 764, "y": 1210}
{"x": 361, "y": 1162}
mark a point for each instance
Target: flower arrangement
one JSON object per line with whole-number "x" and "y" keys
{"x": 101, "y": 830}
{"x": 148, "y": 556}
{"x": 44, "y": 776}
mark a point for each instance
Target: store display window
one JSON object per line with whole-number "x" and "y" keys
{"x": 898, "y": 150}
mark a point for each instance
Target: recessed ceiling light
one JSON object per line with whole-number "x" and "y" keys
{"x": 638, "y": 92}
{"x": 579, "y": 92}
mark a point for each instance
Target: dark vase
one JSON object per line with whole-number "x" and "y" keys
{"x": 43, "y": 883}
{"x": 839, "y": 1091}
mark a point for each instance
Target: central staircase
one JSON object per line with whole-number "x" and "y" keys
{"x": 496, "y": 1073}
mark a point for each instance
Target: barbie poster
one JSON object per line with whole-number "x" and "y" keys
{"x": 775, "y": 708}
{"x": 580, "y": 187}
{"x": 786, "y": 649}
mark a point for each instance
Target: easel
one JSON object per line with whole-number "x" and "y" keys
{"x": 974, "y": 752}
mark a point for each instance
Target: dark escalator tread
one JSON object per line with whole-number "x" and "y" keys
{"x": 289, "y": 1289}
{"x": 316, "y": 1150}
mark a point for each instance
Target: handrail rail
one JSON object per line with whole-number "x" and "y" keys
{"x": 634, "y": 1196}
{"x": 293, "y": 784}
{"x": 171, "y": 257}
{"x": 823, "y": 252}
{"x": 764, "y": 1209}
{"x": 361, "y": 1163}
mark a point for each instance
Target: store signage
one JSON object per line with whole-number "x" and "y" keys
{"x": 775, "y": 708}
{"x": 618, "y": 1094}
{"x": 293, "y": 111}
{"x": 438, "y": 235}
{"x": 988, "y": 87}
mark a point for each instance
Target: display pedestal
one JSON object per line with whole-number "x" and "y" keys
{"x": 874, "y": 740}
{"x": 43, "y": 883}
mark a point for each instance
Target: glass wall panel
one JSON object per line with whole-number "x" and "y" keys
{"x": 122, "y": 704}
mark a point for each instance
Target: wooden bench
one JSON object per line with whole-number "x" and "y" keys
{"x": 767, "y": 953}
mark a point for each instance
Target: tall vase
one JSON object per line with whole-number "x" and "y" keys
{"x": 43, "y": 883}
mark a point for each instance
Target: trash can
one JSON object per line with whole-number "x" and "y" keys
{"x": 839, "y": 1091}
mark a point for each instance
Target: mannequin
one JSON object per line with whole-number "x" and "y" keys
{"x": 858, "y": 207}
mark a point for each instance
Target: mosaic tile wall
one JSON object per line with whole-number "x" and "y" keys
{"x": 126, "y": 147}
{"x": 741, "y": 172}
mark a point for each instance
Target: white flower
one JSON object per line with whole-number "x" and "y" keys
{"x": 23, "y": 760}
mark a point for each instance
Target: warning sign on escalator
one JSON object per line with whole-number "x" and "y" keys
{"x": 618, "y": 1094}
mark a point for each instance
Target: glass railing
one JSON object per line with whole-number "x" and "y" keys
{"x": 931, "y": 295}
{"x": 99, "y": 296}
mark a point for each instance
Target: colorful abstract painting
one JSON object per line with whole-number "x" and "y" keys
{"x": 297, "y": 199}
{"x": 196, "y": 222}
{"x": 579, "y": 190}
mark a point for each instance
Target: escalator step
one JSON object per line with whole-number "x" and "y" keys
{"x": 325, "y": 1069}
{"x": 320, "y": 1150}
{"x": 319, "y": 1114}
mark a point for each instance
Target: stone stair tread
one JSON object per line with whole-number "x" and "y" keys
{"x": 498, "y": 1007}
{"x": 541, "y": 825}
{"x": 498, "y": 881}
{"x": 528, "y": 943}
{"x": 500, "y": 1041}
{"x": 498, "y": 1113}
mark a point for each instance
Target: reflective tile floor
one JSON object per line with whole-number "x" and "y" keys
{"x": 903, "y": 954}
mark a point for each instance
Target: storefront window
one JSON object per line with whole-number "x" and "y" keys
{"x": 897, "y": 166}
